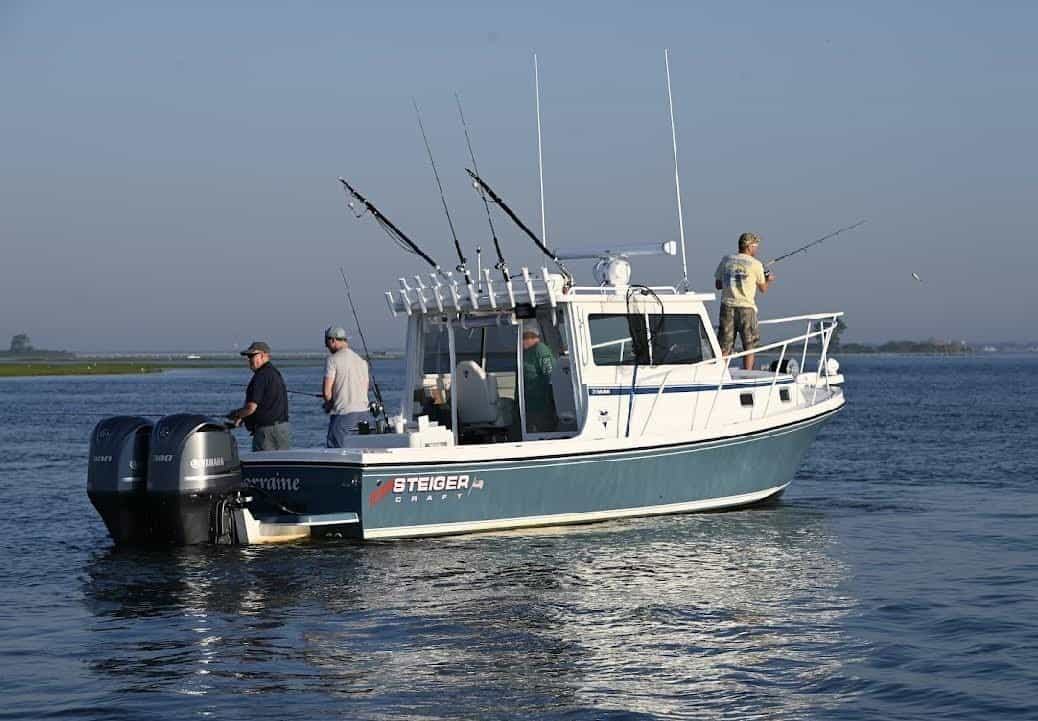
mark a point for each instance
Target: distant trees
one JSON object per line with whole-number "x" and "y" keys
{"x": 925, "y": 347}
{"x": 20, "y": 343}
{"x": 834, "y": 340}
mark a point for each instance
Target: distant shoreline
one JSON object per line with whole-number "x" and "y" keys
{"x": 38, "y": 367}
{"x": 34, "y": 369}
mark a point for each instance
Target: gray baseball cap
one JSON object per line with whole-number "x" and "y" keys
{"x": 257, "y": 346}
{"x": 336, "y": 333}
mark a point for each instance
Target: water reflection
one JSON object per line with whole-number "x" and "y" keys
{"x": 669, "y": 617}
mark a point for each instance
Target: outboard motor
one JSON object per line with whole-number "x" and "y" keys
{"x": 192, "y": 466}
{"x": 116, "y": 476}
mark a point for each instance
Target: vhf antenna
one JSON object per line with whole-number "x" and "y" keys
{"x": 540, "y": 158}
{"x": 677, "y": 176}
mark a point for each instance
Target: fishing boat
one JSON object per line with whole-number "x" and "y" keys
{"x": 529, "y": 400}
{"x": 644, "y": 417}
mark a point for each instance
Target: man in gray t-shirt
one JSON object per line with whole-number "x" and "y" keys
{"x": 345, "y": 389}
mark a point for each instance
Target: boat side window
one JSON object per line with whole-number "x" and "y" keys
{"x": 678, "y": 339}
{"x": 436, "y": 356}
{"x": 431, "y": 397}
{"x": 618, "y": 339}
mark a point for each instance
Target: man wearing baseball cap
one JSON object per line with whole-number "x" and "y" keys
{"x": 345, "y": 389}
{"x": 265, "y": 412}
{"x": 739, "y": 277}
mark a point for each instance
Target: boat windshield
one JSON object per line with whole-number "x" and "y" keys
{"x": 491, "y": 401}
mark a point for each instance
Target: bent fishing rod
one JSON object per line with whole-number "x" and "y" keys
{"x": 462, "y": 262}
{"x": 479, "y": 183}
{"x": 803, "y": 248}
{"x": 501, "y": 264}
{"x": 396, "y": 235}
{"x": 287, "y": 390}
{"x": 367, "y": 356}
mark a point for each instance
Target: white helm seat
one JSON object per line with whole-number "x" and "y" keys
{"x": 476, "y": 394}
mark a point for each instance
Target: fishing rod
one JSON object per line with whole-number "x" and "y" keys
{"x": 462, "y": 263}
{"x": 379, "y": 406}
{"x": 501, "y": 264}
{"x": 803, "y": 248}
{"x": 479, "y": 183}
{"x": 287, "y": 390}
{"x": 392, "y": 231}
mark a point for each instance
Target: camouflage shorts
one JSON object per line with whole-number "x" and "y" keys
{"x": 737, "y": 320}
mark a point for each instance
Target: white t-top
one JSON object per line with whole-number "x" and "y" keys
{"x": 349, "y": 374}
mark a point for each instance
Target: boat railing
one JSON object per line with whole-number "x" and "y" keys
{"x": 826, "y": 322}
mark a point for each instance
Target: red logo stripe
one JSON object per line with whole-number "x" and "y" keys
{"x": 379, "y": 493}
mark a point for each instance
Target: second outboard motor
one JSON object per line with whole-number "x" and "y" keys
{"x": 116, "y": 476}
{"x": 192, "y": 465}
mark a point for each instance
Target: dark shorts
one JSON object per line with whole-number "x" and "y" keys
{"x": 737, "y": 320}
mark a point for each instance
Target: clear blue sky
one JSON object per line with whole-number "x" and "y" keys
{"x": 167, "y": 171}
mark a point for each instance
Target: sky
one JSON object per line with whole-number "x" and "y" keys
{"x": 168, "y": 170}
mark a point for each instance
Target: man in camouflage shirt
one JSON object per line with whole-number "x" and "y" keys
{"x": 739, "y": 276}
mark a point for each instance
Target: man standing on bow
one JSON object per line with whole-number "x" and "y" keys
{"x": 345, "y": 389}
{"x": 739, "y": 277}
{"x": 265, "y": 412}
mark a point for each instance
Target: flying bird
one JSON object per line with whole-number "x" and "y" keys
{"x": 916, "y": 276}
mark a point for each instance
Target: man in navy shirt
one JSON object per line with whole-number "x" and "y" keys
{"x": 265, "y": 412}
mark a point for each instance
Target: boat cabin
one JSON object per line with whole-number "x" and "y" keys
{"x": 538, "y": 358}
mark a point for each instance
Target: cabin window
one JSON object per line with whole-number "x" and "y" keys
{"x": 667, "y": 339}
{"x": 746, "y": 399}
{"x": 678, "y": 339}
{"x": 619, "y": 339}
{"x": 784, "y": 395}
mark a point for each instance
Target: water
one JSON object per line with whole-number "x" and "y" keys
{"x": 897, "y": 579}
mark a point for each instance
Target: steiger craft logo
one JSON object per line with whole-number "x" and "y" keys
{"x": 426, "y": 489}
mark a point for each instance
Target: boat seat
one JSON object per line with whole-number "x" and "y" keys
{"x": 562, "y": 391}
{"x": 476, "y": 395}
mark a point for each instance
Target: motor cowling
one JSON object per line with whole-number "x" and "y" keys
{"x": 117, "y": 475}
{"x": 193, "y": 465}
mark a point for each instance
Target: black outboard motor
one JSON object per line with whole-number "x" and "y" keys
{"x": 192, "y": 466}
{"x": 116, "y": 476}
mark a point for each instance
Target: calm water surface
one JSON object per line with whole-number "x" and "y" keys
{"x": 897, "y": 579}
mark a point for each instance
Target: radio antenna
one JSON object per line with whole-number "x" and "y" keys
{"x": 540, "y": 158}
{"x": 677, "y": 175}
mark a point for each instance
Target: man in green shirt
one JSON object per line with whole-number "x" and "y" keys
{"x": 538, "y": 363}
